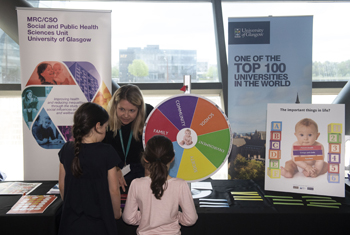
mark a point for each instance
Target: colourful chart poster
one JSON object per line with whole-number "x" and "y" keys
{"x": 32, "y": 204}
{"x": 200, "y": 133}
{"x": 17, "y": 188}
{"x": 269, "y": 61}
{"x": 65, "y": 61}
{"x": 305, "y": 149}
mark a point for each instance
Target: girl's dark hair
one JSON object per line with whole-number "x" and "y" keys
{"x": 158, "y": 153}
{"x": 85, "y": 118}
{"x": 41, "y": 68}
{"x": 26, "y": 93}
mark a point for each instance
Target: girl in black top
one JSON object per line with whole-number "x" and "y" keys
{"x": 88, "y": 180}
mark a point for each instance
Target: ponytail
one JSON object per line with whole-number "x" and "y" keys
{"x": 76, "y": 169}
{"x": 159, "y": 175}
{"x": 158, "y": 153}
{"x": 85, "y": 118}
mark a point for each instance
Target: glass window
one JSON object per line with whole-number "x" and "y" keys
{"x": 11, "y": 136}
{"x": 331, "y": 47}
{"x": 9, "y": 60}
{"x": 323, "y": 99}
{"x": 347, "y": 156}
{"x": 10, "y": 70}
{"x": 172, "y": 39}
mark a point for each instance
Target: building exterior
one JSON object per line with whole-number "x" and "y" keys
{"x": 251, "y": 146}
{"x": 202, "y": 69}
{"x": 87, "y": 82}
{"x": 165, "y": 66}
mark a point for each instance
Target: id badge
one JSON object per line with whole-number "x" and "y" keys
{"x": 126, "y": 169}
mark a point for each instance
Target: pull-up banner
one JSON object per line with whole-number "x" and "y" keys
{"x": 270, "y": 61}
{"x": 65, "y": 61}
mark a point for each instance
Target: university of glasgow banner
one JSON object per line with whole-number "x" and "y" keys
{"x": 269, "y": 61}
{"x": 65, "y": 61}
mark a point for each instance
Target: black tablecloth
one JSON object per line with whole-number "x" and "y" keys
{"x": 242, "y": 217}
{"x": 16, "y": 224}
{"x": 262, "y": 217}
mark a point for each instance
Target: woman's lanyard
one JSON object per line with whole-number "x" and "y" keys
{"x": 122, "y": 143}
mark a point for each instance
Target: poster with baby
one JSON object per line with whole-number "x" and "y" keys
{"x": 65, "y": 61}
{"x": 305, "y": 149}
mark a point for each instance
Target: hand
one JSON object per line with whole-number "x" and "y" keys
{"x": 121, "y": 179}
{"x": 314, "y": 172}
{"x": 120, "y": 214}
{"x": 309, "y": 171}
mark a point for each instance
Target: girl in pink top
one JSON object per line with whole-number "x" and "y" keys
{"x": 159, "y": 196}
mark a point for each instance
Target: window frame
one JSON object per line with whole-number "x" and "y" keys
{"x": 221, "y": 58}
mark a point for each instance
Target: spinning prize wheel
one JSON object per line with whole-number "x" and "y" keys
{"x": 200, "y": 133}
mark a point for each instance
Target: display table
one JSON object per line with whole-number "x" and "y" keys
{"x": 242, "y": 217}
{"x": 17, "y": 224}
{"x": 262, "y": 217}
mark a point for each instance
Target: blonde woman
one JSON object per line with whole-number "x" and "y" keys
{"x": 127, "y": 114}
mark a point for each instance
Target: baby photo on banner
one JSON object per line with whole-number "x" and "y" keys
{"x": 65, "y": 61}
{"x": 305, "y": 149}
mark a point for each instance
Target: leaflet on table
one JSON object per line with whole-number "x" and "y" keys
{"x": 213, "y": 202}
{"x": 201, "y": 189}
{"x": 18, "y": 188}
{"x": 54, "y": 190}
{"x": 200, "y": 193}
{"x": 214, "y": 206}
{"x": 203, "y": 202}
{"x": 201, "y": 185}
{"x": 32, "y": 204}
{"x": 305, "y": 149}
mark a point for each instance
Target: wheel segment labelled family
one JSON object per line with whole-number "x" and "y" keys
{"x": 200, "y": 133}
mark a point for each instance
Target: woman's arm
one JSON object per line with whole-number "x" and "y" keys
{"x": 121, "y": 179}
{"x": 113, "y": 185}
{"x": 62, "y": 175}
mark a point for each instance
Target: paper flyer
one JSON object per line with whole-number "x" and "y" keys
{"x": 269, "y": 61}
{"x": 65, "y": 61}
{"x": 305, "y": 149}
{"x": 17, "y": 188}
{"x": 32, "y": 204}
